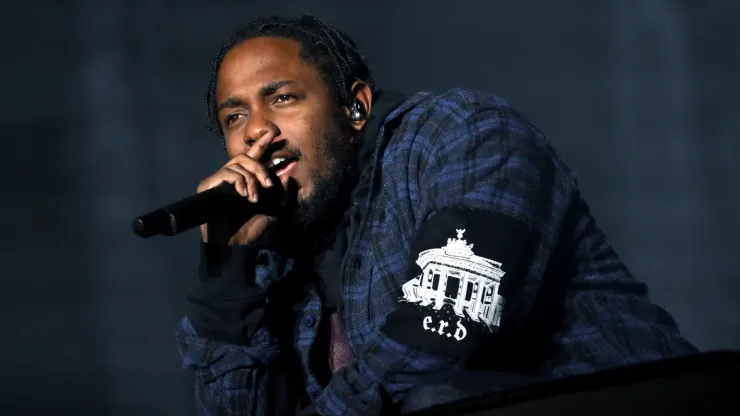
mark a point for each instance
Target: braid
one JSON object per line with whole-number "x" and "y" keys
{"x": 330, "y": 51}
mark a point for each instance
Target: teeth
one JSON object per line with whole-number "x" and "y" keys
{"x": 274, "y": 162}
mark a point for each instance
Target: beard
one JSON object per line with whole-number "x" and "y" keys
{"x": 331, "y": 191}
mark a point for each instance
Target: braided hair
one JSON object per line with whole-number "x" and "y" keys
{"x": 330, "y": 51}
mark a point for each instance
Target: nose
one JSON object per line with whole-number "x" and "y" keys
{"x": 258, "y": 126}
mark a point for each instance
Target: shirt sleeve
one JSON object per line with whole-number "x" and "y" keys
{"x": 605, "y": 318}
{"x": 488, "y": 175}
{"x": 456, "y": 289}
{"x": 224, "y": 340}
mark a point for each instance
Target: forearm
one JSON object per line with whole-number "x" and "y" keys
{"x": 225, "y": 340}
{"x": 613, "y": 328}
{"x": 226, "y": 305}
{"x": 235, "y": 379}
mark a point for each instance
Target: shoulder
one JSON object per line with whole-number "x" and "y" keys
{"x": 455, "y": 100}
{"x": 433, "y": 126}
{"x": 462, "y": 113}
{"x": 456, "y": 105}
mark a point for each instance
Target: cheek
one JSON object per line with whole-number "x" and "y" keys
{"x": 233, "y": 150}
{"x": 302, "y": 134}
{"x": 234, "y": 144}
{"x": 305, "y": 130}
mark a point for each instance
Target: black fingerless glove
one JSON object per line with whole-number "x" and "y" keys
{"x": 226, "y": 305}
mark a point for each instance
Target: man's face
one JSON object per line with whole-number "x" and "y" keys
{"x": 263, "y": 84}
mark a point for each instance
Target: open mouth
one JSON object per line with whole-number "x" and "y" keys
{"x": 280, "y": 165}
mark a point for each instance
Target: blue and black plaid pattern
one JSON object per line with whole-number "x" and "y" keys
{"x": 461, "y": 148}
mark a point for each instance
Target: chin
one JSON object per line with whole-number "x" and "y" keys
{"x": 303, "y": 194}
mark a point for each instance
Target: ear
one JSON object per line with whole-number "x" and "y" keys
{"x": 361, "y": 92}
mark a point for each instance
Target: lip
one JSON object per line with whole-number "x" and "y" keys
{"x": 287, "y": 169}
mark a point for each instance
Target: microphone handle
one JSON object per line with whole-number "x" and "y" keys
{"x": 200, "y": 208}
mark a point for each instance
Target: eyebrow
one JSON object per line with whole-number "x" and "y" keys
{"x": 272, "y": 87}
{"x": 264, "y": 91}
{"x": 230, "y": 102}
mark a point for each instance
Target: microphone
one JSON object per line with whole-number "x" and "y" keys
{"x": 198, "y": 209}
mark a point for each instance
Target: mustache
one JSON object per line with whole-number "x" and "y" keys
{"x": 284, "y": 149}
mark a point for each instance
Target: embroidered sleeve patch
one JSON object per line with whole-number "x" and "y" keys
{"x": 462, "y": 261}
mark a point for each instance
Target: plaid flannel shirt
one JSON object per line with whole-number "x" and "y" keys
{"x": 460, "y": 148}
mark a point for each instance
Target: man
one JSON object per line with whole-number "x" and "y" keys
{"x": 437, "y": 249}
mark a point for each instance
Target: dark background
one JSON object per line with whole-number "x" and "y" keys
{"x": 102, "y": 119}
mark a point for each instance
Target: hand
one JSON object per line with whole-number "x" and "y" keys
{"x": 247, "y": 175}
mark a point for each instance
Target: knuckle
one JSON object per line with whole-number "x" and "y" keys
{"x": 242, "y": 158}
{"x": 228, "y": 173}
{"x": 253, "y": 168}
{"x": 249, "y": 164}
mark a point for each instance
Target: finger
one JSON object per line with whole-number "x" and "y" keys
{"x": 252, "y": 188}
{"x": 251, "y": 165}
{"x": 258, "y": 148}
{"x": 237, "y": 179}
{"x": 241, "y": 186}
{"x": 250, "y": 181}
{"x": 224, "y": 175}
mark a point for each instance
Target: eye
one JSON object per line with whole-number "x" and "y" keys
{"x": 283, "y": 98}
{"x": 231, "y": 118}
